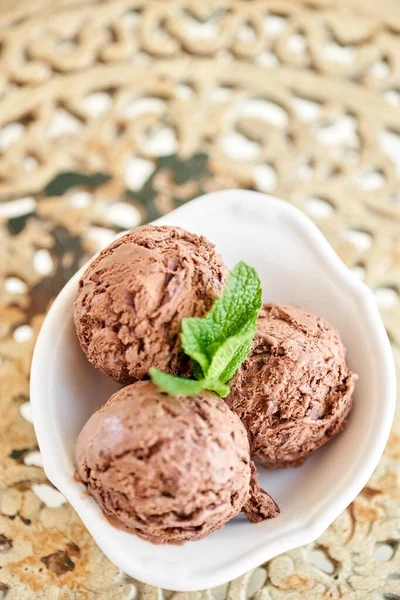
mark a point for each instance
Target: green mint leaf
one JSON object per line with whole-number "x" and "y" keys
{"x": 196, "y": 336}
{"x": 179, "y": 386}
{"x": 239, "y": 356}
{"x": 226, "y": 352}
{"x": 233, "y": 315}
{"x": 175, "y": 386}
{"x": 241, "y": 297}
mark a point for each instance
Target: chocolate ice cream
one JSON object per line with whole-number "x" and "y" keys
{"x": 169, "y": 469}
{"x": 294, "y": 390}
{"x": 133, "y": 296}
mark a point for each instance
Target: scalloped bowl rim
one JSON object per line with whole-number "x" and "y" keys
{"x": 332, "y": 506}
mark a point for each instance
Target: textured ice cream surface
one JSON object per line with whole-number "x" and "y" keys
{"x": 133, "y": 296}
{"x": 169, "y": 469}
{"x": 294, "y": 390}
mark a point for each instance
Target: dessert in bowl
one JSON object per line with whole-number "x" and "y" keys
{"x": 296, "y": 266}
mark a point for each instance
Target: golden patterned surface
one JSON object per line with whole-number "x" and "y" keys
{"x": 114, "y": 112}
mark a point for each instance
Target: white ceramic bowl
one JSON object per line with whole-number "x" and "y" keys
{"x": 296, "y": 265}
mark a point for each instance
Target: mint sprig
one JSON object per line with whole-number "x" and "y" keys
{"x": 219, "y": 342}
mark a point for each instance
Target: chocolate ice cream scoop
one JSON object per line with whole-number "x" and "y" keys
{"x": 133, "y": 296}
{"x": 169, "y": 469}
{"x": 294, "y": 390}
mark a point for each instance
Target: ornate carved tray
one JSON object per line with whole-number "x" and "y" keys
{"x": 114, "y": 112}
